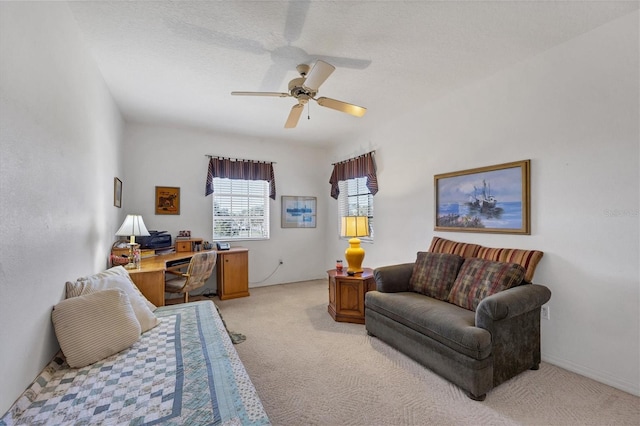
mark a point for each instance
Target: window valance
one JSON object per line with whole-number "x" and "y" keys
{"x": 233, "y": 168}
{"x": 361, "y": 166}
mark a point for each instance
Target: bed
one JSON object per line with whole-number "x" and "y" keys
{"x": 185, "y": 370}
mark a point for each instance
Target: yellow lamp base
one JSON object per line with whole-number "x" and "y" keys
{"x": 354, "y": 255}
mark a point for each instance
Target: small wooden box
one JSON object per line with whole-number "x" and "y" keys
{"x": 187, "y": 245}
{"x": 183, "y": 245}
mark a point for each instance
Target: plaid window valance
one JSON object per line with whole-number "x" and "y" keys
{"x": 240, "y": 169}
{"x": 361, "y": 166}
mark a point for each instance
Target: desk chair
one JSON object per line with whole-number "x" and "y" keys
{"x": 199, "y": 270}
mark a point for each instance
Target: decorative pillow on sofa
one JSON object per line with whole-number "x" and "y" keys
{"x": 145, "y": 316}
{"x": 479, "y": 278}
{"x": 528, "y": 259}
{"x": 434, "y": 274}
{"x": 442, "y": 245}
{"x": 94, "y": 326}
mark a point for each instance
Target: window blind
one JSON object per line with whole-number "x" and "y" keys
{"x": 355, "y": 199}
{"x": 240, "y": 209}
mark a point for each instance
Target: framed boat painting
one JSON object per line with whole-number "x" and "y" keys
{"x": 487, "y": 199}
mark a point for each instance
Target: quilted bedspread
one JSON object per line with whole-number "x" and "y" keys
{"x": 185, "y": 371}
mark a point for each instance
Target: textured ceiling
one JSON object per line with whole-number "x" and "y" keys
{"x": 177, "y": 62}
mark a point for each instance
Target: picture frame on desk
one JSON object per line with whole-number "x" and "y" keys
{"x": 167, "y": 200}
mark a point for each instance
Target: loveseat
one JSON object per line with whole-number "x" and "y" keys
{"x": 467, "y": 312}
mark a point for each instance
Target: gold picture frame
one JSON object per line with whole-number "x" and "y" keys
{"x": 167, "y": 200}
{"x": 486, "y": 199}
{"x": 117, "y": 192}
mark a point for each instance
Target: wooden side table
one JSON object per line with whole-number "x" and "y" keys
{"x": 346, "y": 294}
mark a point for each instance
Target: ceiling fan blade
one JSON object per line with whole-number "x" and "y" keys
{"x": 276, "y": 94}
{"x": 344, "y": 62}
{"x": 358, "y": 111}
{"x": 294, "y": 116}
{"x": 318, "y": 74}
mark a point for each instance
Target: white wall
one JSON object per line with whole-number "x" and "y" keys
{"x": 166, "y": 156}
{"x": 60, "y": 149}
{"x": 573, "y": 111}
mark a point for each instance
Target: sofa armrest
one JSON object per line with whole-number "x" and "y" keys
{"x": 511, "y": 303}
{"x": 394, "y": 278}
{"x": 513, "y": 318}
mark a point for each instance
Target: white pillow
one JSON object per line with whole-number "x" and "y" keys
{"x": 145, "y": 316}
{"x": 94, "y": 326}
{"x": 117, "y": 271}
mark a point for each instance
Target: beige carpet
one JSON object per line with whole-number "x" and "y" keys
{"x": 311, "y": 370}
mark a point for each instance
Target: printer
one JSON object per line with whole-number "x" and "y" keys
{"x": 156, "y": 240}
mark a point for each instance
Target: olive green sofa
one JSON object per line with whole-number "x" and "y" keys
{"x": 469, "y": 313}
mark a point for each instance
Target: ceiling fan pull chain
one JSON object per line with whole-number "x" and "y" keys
{"x": 308, "y": 110}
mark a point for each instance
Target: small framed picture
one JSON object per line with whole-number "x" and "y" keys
{"x": 298, "y": 212}
{"x": 117, "y": 192}
{"x": 167, "y": 200}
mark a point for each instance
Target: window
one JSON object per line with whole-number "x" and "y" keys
{"x": 240, "y": 209}
{"x": 355, "y": 199}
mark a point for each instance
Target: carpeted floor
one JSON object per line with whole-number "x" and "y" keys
{"x": 311, "y": 370}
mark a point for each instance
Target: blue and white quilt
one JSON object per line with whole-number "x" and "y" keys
{"x": 185, "y": 371}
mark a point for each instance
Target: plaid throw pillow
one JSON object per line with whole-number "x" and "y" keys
{"x": 480, "y": 278}
{"x": 434, "y": 274}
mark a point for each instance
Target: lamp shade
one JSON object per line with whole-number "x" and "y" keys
{"x": 133, "y": 225}
{"x": 354, "y": 226}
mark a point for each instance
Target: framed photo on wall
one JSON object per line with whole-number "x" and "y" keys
{"x": 486, "y": 199}
{"x": 298, "y": 212}
{"x": 117, "y": 192}
{"x": 167, "y": 200}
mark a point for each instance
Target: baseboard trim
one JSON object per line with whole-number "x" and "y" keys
{"x": 623, "y": 385}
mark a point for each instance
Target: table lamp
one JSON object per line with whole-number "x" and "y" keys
{"x": 354, "y": 227}
{"x": 132, "y": 227}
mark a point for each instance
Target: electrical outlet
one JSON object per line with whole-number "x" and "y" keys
{"x": 545, "y": 311}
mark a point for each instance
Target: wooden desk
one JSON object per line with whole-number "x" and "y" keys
{"x": 149, "y": 278}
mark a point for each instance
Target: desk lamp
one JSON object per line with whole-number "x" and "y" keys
{"x": 133, "y": 226}
{"x": 354, "y": 227}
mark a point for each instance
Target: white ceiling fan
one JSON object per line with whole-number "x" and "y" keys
{"x": 306, "y": 87}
